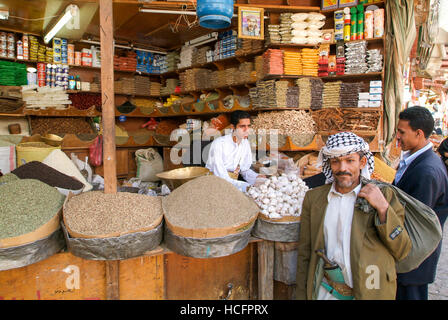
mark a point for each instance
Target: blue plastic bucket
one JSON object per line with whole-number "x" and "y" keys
{"x": 214, "y": 14}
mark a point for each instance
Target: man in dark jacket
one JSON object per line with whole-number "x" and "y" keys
{"x": 423, "y": 175}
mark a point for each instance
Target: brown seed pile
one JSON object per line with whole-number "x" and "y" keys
{"x": 96, "y": 213}
{"x": 208, "y": 202}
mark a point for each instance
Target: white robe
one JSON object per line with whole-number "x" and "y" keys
{"x": 337, "y": 233}
{"x": 224, "y": 157}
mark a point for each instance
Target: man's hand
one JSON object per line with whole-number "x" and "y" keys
{"x": 376, "y": 199}
{"x": 260, "y": 180}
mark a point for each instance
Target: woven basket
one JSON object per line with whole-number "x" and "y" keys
{"x": 33, "y": 151}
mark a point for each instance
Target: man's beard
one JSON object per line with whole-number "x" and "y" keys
{"x": 344, "y": 183}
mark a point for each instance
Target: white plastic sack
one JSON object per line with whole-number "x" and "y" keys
{"x": 82, "y": 166}
{"x": 299, "y": 16}
{"x": 58, "y": 160}
{"x": 299, "y": 33}
{"x": 149, "y": 163}
{"x": 315, "y": 16}
{"x": 7, "y": 158}
{"x": 299, "y": 25}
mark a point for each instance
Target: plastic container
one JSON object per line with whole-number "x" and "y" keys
{"x": 214, "y": 14}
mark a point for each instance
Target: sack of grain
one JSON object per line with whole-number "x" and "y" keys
{"x": 123, "y": 225}
{"x": 7, "y": 157}
{"x": 208, "y": 217}
{"x": 149, "y": 164}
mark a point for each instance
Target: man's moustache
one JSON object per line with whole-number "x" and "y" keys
{"x": 342, "y": 173}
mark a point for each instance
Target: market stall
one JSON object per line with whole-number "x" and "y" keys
{"x": 87, "y": 119}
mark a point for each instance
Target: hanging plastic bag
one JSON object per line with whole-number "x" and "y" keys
{"x": 96, "y": 152}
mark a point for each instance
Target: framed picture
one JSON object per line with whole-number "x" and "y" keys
{"x": 251, "y": 23}
{"x": 329, "y": 4}
{"x": 347, "y": 3}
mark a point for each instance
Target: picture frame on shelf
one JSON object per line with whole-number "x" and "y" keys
{"x": 329, "y": 4}
{"x": 251, "y": 23}
{"x": 347, "y": 3}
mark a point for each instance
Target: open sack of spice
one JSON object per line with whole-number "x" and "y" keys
{"x": 208, "y": 217}
{"x": 123, "y": 225}
{"x": 29, "y": 222}
{"x": 52, "y": 177}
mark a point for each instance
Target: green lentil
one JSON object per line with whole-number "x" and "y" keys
{"x": 9, "y": 177}
{"x": 26, "y": 205}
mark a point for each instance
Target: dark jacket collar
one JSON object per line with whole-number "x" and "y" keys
{"x": 414, "y": 163}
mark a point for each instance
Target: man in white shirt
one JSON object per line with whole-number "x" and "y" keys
{"x": 231, "y": 155}
{"x": 354, "y": 243}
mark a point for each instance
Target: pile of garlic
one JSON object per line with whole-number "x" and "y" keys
{"x": 280, "y": 196}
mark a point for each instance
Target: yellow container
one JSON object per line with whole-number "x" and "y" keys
{"x": 33, "y": 151}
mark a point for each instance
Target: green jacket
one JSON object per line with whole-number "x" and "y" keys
{"x": 371, "y": 244}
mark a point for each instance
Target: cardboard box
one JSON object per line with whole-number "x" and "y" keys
{"x": 374, "y": 104}
{"x": 376, "y": 97}
{"x": 363, "y": 103}
{"x": 364, "y": 96}
{"x": 376, "y": 90}
{"x": 376, "y": 84}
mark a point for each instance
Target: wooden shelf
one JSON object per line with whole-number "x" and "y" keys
{"x": 279, "y": 8}
{"x": 69, "y": 112}
{"x": 354, "y": 76}
{"x": 377, "y": 3}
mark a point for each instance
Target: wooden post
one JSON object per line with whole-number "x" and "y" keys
{"x": 266, "y": 270}
{"x": 107, "y": 95}
{"x": 108, "y": 118}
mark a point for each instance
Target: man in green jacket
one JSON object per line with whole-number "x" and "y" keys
{"x": 343, "y": 252}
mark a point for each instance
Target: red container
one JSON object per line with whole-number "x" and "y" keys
{"x": 41, "y": 67}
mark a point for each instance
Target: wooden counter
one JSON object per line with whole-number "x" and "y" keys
{"x": 159, "y": 274}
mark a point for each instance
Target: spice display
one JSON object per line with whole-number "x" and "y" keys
{"x": 126, "y": 107}
{"x": 280, "y": 196}
{"x": 346, "y": 120}
{"x": 288, "y": 122}
{"x": 145, "y": 105}
{"x": 40, "y": 171}
{"x": 331, "y": 94}
{"x": 27, "y": 205}
{"x": 83, "y": 101}
{"x": 9, "y": 177}
{"x": 248, "y": 46}
{"x": 165, "y": 127}
{"x": 310, "y": 93}
{"x": 62, "y": 125}
{"x": 96, "y": 213}
{"x": 208, "y": 202}
{"x": 10, "y": 104}
{"x": 263, "y": 95}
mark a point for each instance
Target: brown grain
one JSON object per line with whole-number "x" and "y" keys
{"x": 97, "y": 213}
{"x": 208, "y": 202}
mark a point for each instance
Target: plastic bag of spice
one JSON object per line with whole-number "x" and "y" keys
{"x": 96, "y": 151}
{"x": 149, "y": 164}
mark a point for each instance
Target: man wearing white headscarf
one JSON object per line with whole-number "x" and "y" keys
{"x": 344, "y": 253}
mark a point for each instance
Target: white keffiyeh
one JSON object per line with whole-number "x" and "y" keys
{"x": 340, "y": 145}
